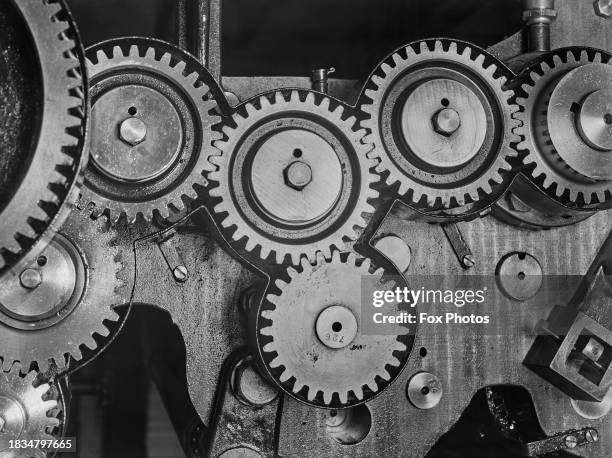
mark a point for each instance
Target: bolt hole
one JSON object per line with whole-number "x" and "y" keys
{"x": 522, "y": 256}
{"x": 425, "y": 390}
{"x": 521, "y": 275}
{"x": 333, "y": 413}
{"x": 132, "y": 111}
{"x": 423, "y": 352}
{"x": 608, "y": 118}
{"x": 354, "y": 425}
{"x": 445, "y": 102}
{"x": 41, "y": 261}
{"x": 337, "y": 326}
{"x": 297, "y": 152}
{"x": 566, "y": 216}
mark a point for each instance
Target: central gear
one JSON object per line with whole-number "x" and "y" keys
{"x": 293, "y": 176}
{"x": 312, "y": 336}
{"x": 43, "y": 124}
{"x": 151, "y": 127}
{"x": 59, "y": 301}
{"x": 441, "y": 123}
{"x": 25, "y": 413}
{"x": 567, "y": 125}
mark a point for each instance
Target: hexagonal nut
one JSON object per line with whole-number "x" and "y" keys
{"x": 297, "y": 175}
{"x": 603, "y": 8}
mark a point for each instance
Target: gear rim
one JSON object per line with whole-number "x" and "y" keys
{"x": 492, "y": 176}
{"x": 284, "y": 105}
{"x": 181, "y": 78}
{"x": 533, "y": 82}
{"x": 286, "y": 374}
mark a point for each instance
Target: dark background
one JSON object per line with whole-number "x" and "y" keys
{"x": 291, "y": 37}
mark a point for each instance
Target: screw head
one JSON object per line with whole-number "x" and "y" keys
{"x": 133, "y": 131}
{"x": 446, "y": 121}
{"x": 298, "y": 175}
{"x": 591, "y": 435}
{"x": 30, "y": 278}
{"x": 180, "y": 274}
{"x": 570, "y": 441}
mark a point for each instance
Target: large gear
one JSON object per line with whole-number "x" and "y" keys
{"x": 312, "y": 337}
{"x": 293, "y": 176}
{"x": 151, "y": 127}
{"x": 441, "y": 122}
{"x": 26, "y": 411}
{"x": 562, "y": 159}
{"x": 43, "y": 123}
{"x": 63, "y": 298}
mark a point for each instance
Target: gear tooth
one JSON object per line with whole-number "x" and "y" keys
{"x": 280, "y": 284}
{"x": 264, "y": 102}
{"x": 574, "y": 195}
{"x": 250, "y": 243}
{"x": 479, "y": 60}
{"x": 327, "y": 397}
{"x": 264, "y": 252}
{"x": 325, "y": 103}
{"x": 294, "y": 97}
{"x": 278, "y": 97}
{"x": 304, "y": 263}
{"x": 165, "y": 59}
{"x": 310, "y": 98}
{"x": 134, "y": 52}
{"x": 117, "y": 52}
{"x": 277, "y": 362}
{"x": 386, "y": 68}
{"x": 371, "y": 94}
{"x": 438, "y": 46}
{"x": 452, "y": 48}
{"x": 365, "y": 266}
{"x": 320, "y": 257}
{"x": 584, "y": 56}
{"x": 377, "y": 80}
{"x": 251, "y": 110}
{"x": 101, "y": 56}
{"x": 397, "y": 59}
{"x": 336, "y": 257}
{"x": 466, "y": 53}
{"x": 558, "y": 61}
{"x": 312, "y": 393}
{"x": 150, "y": 54}
{"x": 423, "y": 48}
{"x": 268, "y": 331}
{"x": 292, "y": 272}
{"x": 373, "y": 386}
{"x": 295, "y": 258}
{"x": 597, "y": 58}
{"x": 410, "y": 53}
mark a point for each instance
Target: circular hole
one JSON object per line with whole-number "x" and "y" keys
{"x": 521, "y": 275}
{"x": 333, "y": 413}
{"x": 445, "y": 102}
{"x": 566, "y": 216}
{"x": 337, "y": 326}
{"x": 608, "y": 118}
{"x": 423, "y": 352}
{"x": 132, "y": 111}
{"x": 41, "y": 261}
{"x": 425, "y": 390}
{"x": 354, "y": 427}
{"x": 297, "y": 152}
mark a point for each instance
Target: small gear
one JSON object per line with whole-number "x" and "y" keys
{"x": 43, "y": 123}
{"x": 25, "y": 413}
{"x": 151, "y": 127}
{"x": 58, "y": 302}
{"x": 312, "y": 338}
{"x": 566, "y": 126}
{"x": 441, "y": 122}
{"x": 293, "y": 176}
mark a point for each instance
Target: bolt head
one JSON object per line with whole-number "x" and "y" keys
{"x": 30, "y": 278}
{"x": 603, "y": 8}
{"x": 250, "y": 387}
{"x": 132, "y": 131}
{"x": 180, "y": 274}
{"x": 297, "y": 175}
{"x": 446, "y": 122}
{"x": 571, "y": 441}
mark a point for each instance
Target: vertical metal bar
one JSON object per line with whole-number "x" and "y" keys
{"x": 209, "y": 36}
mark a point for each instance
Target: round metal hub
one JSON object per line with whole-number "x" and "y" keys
{"x": 336, "y": 326}
{"x": 12, "y": 420}
{"x": 444, "y": 123}
{"x": 137, "y": 133}
{"x": 519, "y": 276}
{"x": 47, "y": 290}
{"x": 296, "y": 176}
{"x": 424, "y": 390}
{"x": 595, "y": 119}
{"x": 577, "y": 120}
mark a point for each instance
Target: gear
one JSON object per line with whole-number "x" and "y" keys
{"x": 43, "y": 123}
{"x": 564, "y": 125}
{"x": 441, "y": 123}
{"x": 313, "y": 342}
{"x": 293, "y": 176}
{"x": 57, "y": 303}
{"x": 151, "y": 127}
{"x": 25, "y": 412}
